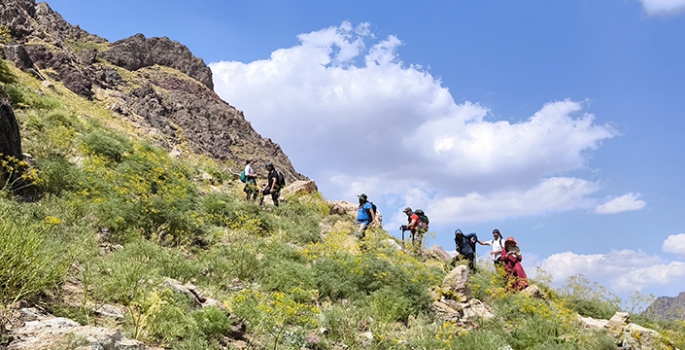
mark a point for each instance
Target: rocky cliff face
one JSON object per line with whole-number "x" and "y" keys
{"x": 669, "y": 308}
{"x": 10, "y": 143}
{"x": 155, "y": 82}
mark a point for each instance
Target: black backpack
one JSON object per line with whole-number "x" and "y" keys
{"x": 280, "y": 181}
{"x": 422, "y": 216}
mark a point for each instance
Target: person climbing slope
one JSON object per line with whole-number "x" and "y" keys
{"x": 251, "y": 188}
{"x": 516, "y": 279}
{"x": 497, "y": 245}
{"x": 417, "y": 225}
{"x": 466, "y": 248}
{"x": 273, "y": 186}
{"x": 366, "y": 215}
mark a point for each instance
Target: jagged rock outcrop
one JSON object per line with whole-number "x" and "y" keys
{"x": 138, "y": 52}
{"x": 16, "y": 15}
{"x": 669, "y": 308}
{"x": 454, "y": 301}
{"x": 174, "y": 101}
{"x": 629, "y": 335}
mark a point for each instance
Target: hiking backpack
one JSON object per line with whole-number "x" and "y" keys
{"x": 422, "y": 216}
{"x": 243, "y": 177}
{"x": 280, "y": 181}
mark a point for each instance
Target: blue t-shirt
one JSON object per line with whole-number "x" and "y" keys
{"x": 363, "y": 213}
{"x": 464, "y": 243}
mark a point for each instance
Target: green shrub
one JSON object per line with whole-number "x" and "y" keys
{"x": 6, "y": 76}
{"x": 594, "y": 308}
{"x": 285, "y": 276}
{"x": 388, "y": 305}
{"x": 59, "y": 175}
{"x": 29, "y": 262}
{"x": 112, "y": 147}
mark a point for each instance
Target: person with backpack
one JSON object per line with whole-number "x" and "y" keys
{"x": 274, "y": 183}
{"x": 516, "y": 278}
{"x": 497, "y": 246}
{"x": 366, "y": 214}
{"x": 466, "y": 248}
{"x": 250, "y": 179}
{"x": 417, "y": 225}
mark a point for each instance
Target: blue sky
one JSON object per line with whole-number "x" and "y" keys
{"x": 527, "y": 116}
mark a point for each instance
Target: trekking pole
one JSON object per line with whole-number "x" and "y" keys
{"x": 403, "y": 228}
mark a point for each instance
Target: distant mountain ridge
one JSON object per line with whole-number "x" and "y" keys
{"x": 155, "y": 82}
{"x": 669, "y": 308}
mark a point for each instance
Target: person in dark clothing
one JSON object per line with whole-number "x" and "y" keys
{"x": 466, "y": 248}
{"x": 271, "y": 185}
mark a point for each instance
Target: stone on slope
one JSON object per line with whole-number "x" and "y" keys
{"x": 299, "y": 187}
{"x": 342, "y": 208}
{"x": 436, "y": 252}
{"x": 55, "y": 333}
{"x": 457, "y": 283}
{"x": 534, "y": 291}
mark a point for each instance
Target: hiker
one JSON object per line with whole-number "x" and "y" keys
{"x": 365, "y": 215}
{"x": 497, "y": 245}
{"x": 250, "y": 181}
{"x": 516, "y": 278}
{"x": 417, "y": 225}
{"x": 466, "y": 248}
{"x": 272, "y": 184}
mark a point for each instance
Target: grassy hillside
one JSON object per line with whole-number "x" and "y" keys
{"x": 116, "y": 216}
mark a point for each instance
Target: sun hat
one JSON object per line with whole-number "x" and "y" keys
{"x": 511, "y": 239}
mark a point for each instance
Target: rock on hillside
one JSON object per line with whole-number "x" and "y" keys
{"x": 669, "y": 308}
{"x": 10, "y": 142}
{"x": 156, "y": 83}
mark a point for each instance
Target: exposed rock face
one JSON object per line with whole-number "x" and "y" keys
{"x": 628, "y": 335}
{"x": 668, "y": 308}
{"x": 16, "y": 16}
{"x": 436, "y": 252}
{"x": 61, "y": 333}
{"x": 138, "y": 52}
{"x": 455, "y": 303}
{"x": 174, "y": 101}
{"x": 10, "y": 141}
{"x": 300, "y": 187}
{"x": 342, "y": 208}
{"x": 457, "y": 282}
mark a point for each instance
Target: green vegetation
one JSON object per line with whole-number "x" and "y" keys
{"x": 101, "y": 185}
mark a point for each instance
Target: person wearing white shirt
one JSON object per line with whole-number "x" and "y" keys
{"x": 497, "y": 244}
{"x": 251, "y": 181}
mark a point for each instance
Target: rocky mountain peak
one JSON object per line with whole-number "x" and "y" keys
{"x": 156, "y": 83}
{"x": 668, "y": 308}
{"x": 138, "y": 52}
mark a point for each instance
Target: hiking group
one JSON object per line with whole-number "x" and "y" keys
{"x": 505, "y": 254}
{"x": 275, "y": 181}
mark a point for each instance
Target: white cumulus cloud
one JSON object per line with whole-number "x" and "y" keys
{"x": 354, "y": 117}
{"x": 623, "y": 270}
{"x": 626, "y": 202}
{"x": 675, "y": 244}
{"x": 656, "y": 7}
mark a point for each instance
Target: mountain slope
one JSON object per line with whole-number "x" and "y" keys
{"x": 154, "y": 82}
{"x": 669, "y": 308}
